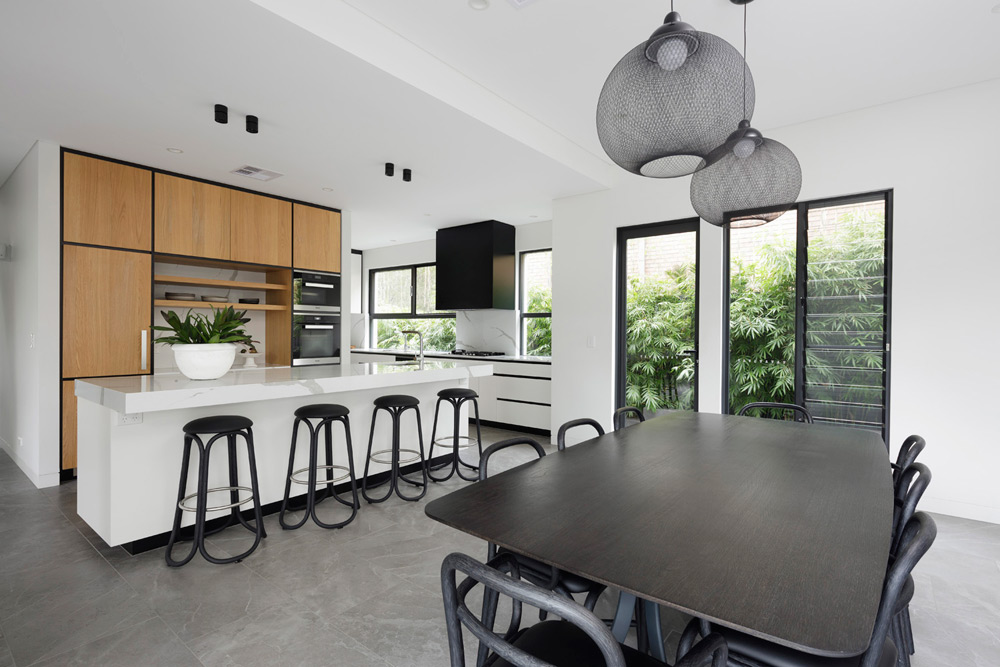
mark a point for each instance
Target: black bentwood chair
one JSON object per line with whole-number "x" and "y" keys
{"x": 917, "y": 537}
{"x": 534, "y": 571}
{"x": 580, "y": 639}
{"x": 912, "y": 484}
{"x": 907, "y": 454}
{"x": 573, "y": 423}
{"x": 621, "y": 416}
{"x": 774, "y": 407}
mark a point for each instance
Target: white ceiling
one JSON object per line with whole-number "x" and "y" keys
{"x": 493, "y": 110}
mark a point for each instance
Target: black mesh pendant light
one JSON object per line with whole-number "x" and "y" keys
{"x": 754, "y": 178}
{"x": 671, "y": 100}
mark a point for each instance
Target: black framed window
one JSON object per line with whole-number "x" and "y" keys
{"x": 402, "y": 298}
{"x": 536, "y": 302}
{"x": 809, "y": 311}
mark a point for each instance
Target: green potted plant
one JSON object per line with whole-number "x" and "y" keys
{"x": 205, "y": 347}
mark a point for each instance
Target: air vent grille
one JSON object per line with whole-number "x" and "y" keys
{"x": 256, "y": 173}
{"x": 520, "y": 3}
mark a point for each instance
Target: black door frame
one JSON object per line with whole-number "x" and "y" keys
{"x": 801, "y": 254}
{"x": 625, "y": 234}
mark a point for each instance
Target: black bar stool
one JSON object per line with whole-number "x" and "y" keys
{"x": 227, "y": 426}
{"x": 456, "y": 396}
{"x": 327, "y": 413}
{"x": 395, "y": 405}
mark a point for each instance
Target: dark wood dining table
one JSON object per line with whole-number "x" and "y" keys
{"x": 775, "y": 528}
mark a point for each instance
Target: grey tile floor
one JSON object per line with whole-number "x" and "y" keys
{"x": 364, "y": 595}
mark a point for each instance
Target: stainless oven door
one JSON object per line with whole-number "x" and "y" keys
{"x": 315, "y": 339}
{"x": 316, "y": 292}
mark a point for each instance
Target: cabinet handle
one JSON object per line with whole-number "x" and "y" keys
{"x": 142, "y": 350}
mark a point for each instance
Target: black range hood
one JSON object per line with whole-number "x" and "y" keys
{"x": 475, "y": 267}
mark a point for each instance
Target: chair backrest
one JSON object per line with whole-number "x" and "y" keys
{"x": 500, "y": 576}
{"x": 484, "y": 460}
{"x": 561, "y": 435}
{"x": 913, "y": 482}
{"x": 622, "y": 414}
{"x": 915, "y": 539}
{"x": 806, "y": 416}
{"x": 907, "y": 454}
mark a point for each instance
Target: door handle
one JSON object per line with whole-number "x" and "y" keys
{"x": 143, "y": 351}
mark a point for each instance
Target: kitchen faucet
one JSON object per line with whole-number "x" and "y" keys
{"x": 406, "y": 340}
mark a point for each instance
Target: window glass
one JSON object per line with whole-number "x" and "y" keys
{"x": 536, "y": 303}
{"x": 391, "y": 291}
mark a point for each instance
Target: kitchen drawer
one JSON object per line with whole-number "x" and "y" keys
{"x": 532, "y": 390}
{"x": 526, "y": 369}
{"x": 524, "y": 414}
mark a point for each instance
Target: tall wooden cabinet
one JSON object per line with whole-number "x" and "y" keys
{"x": 317, "y": 239}
{"x": 106, "y": 203}
{"x": 112, "y": 234}
{"x": 106, "y": 312}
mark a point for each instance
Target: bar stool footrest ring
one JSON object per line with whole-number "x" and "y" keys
{"x": 320, "y": 482}
{"x": 188, "y": 508}
{"x": 464, "y": 441}
{"x": 374, "y": 456}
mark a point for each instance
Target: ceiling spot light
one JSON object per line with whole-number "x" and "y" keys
{"x": 221, "y": 113}
{"x": 390, "y": 169}
{"x": 252, "y": 124}
{"x": 407, "y": 175}
{"x": 479, "y": 4}
{"x": 174, "y": 150}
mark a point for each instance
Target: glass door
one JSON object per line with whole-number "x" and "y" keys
{"x": 658, "y": 317}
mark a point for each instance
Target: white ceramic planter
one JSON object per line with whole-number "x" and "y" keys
{"x": 207, "y": 361}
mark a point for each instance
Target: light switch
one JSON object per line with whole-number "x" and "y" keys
{"x": 591, "y": 342}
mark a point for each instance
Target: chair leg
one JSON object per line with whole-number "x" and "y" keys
{"x": 329, "y": 476}
{"x": 908, "y": 631}
{"x": 430, "y": 454}
{"x": 368, "y": 459}
{"x": 258, "y": 530}
{"x": 189, "y": 441}
{"x": 286, "y": 502}
{"x": 458, "y": 463}
{"x": 423, "y": 461}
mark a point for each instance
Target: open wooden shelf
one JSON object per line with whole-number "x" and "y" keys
{"x": 217, "y": 304}
{"x": 216, "y": 282}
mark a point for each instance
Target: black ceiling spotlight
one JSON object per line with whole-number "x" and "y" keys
{"x": 221, "y": 113}
{"x": 252, "y": 124}
{"x": 390, "y": 169}
{"x": 407, "y": 175}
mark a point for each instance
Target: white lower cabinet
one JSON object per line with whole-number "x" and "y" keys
{"x": 518, "y": 395}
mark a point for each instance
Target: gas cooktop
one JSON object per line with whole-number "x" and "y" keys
{"x": 475, "y": 353}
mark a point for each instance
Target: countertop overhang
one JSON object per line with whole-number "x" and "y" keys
{"x": 173, "y": 391}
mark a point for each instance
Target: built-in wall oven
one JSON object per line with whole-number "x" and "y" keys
{"x": 315, "y": 318}
{"x": 314, "y": 292}
{"x": 315, "y": 339}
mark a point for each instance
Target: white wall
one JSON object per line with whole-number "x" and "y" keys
{"x": 938, "y": 153}
{"x": 29, "y": 315}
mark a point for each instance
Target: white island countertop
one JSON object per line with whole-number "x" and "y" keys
{"x": 173, "y": 391}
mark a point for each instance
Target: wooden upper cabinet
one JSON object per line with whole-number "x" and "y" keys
{"x": 106, "y": 203}
{"x": 260, "y": 229}
{"x": 106, "y": 312}
{"x": 317, "y": 239}
{"x": 192, "y": 218}
{"x": 68, "y": 425}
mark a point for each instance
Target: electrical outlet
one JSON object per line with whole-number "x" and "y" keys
{"x": 124, "y": 420}
{"x": 31, "y": 341}
{"x": 20, "y": 442}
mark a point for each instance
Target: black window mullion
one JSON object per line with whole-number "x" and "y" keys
{"x": 801, "y": 277}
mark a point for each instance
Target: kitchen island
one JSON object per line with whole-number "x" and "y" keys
{"x": 130, "y": 438}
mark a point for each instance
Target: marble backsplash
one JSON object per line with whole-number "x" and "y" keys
{"x": 487, "y": 330}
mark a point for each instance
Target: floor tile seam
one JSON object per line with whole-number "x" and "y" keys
{"x": 178, "y": 638}
{"x": 103, "y": 635}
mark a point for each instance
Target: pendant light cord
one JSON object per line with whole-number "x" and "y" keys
{"x": 744, "y": 61}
